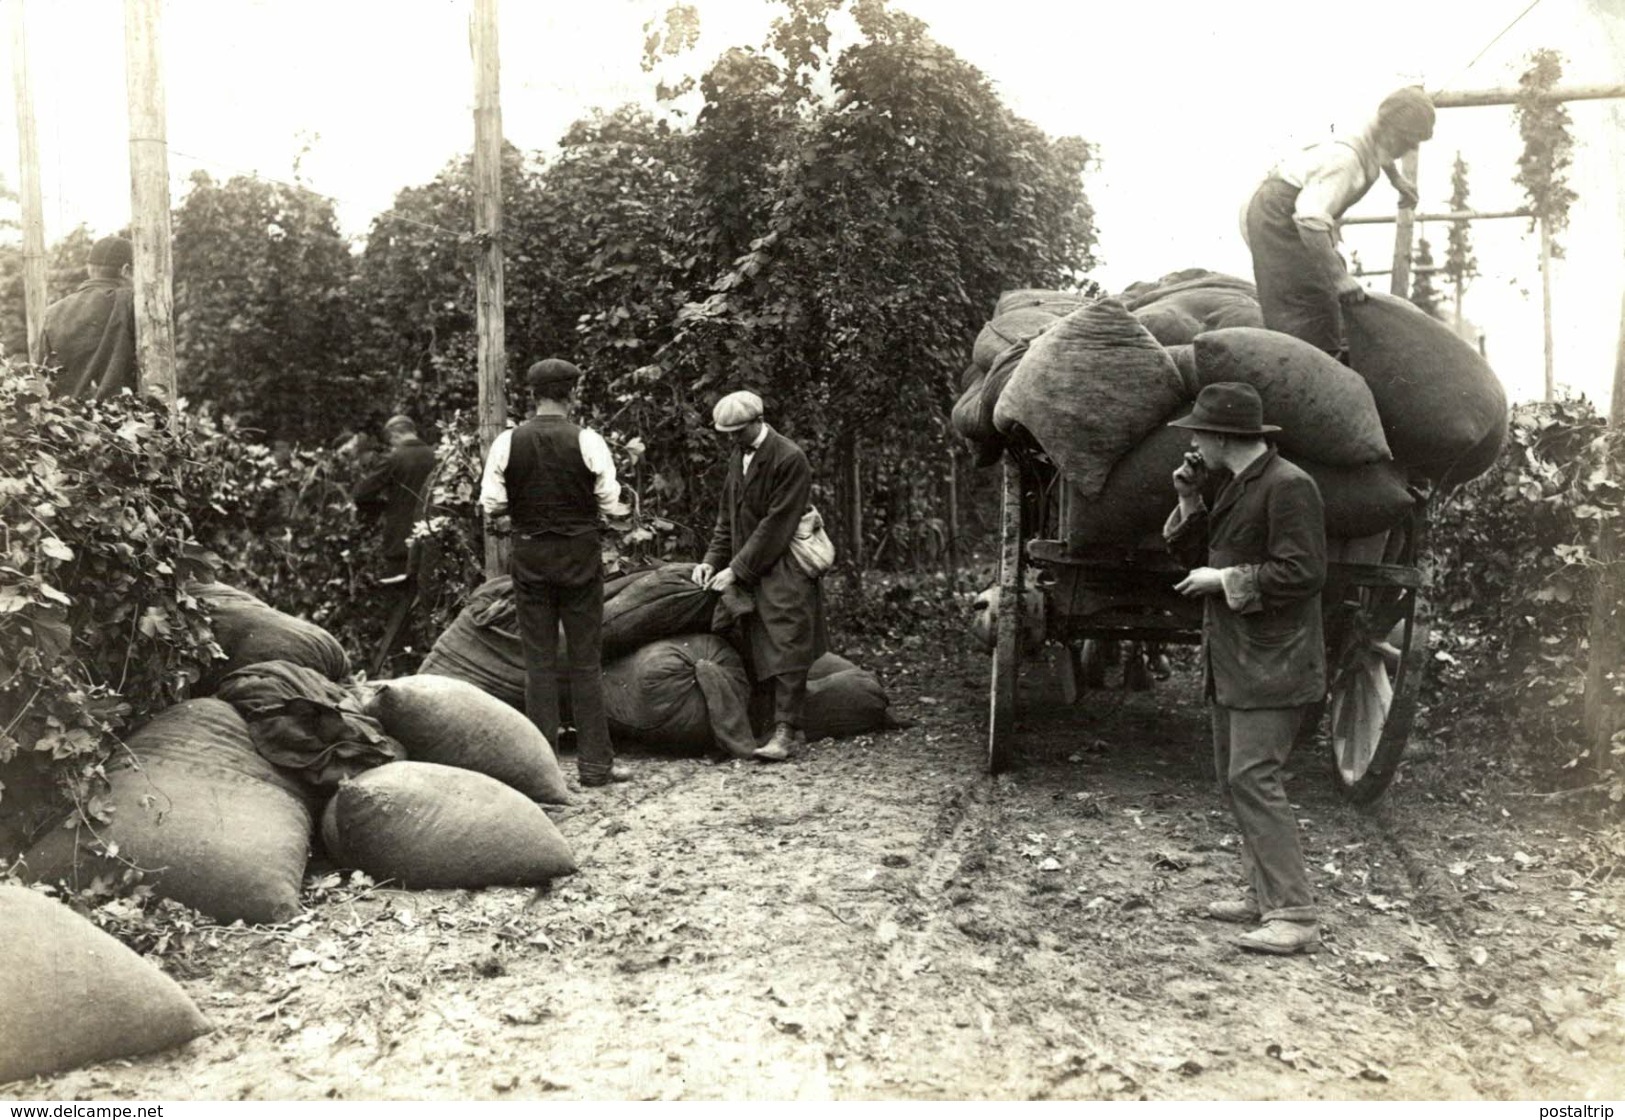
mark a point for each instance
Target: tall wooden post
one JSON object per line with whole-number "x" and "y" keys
{"x": 1604, "y": 713}
{"x": 493, "y": 360}
{"x": 34, "y": 294}
{"x": 1546, "y": 300}
{"x": 149, "y": 199}
{"x": 1404, "y": 223}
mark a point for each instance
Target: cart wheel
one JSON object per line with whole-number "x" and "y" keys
{"x": 1375, "y": 678}
{"x": 1007, "y": 637}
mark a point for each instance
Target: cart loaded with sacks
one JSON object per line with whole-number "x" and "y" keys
{"x": 1070, "y": 396}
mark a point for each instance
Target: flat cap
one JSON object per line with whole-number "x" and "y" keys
{"x": 552, "y": 371}
{"x": 112, "y": 252}
{"x": 736, "y": 410}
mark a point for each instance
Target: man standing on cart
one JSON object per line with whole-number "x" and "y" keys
{"x": 1261, "y": 552}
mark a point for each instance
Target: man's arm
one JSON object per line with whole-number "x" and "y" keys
{"x": 1296, "y": 568}
{"x": 494, "y": 484}
{"x": 595, "y": 453}
{"x": 721, "y": 547}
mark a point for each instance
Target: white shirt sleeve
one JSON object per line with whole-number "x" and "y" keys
{"x": 595, "y": 453}
{"x": 494, "y": 485}
{"x": 1337, "y": 182}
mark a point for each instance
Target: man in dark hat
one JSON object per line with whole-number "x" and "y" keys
{"x": 554, "y": 479}
{"x": 1261, "y": 552}
{"x": 1291, "y": 221}
{"x": 396, "y": 490}
{"x": 767, "y": 491}
{"x": 90, "y": 333}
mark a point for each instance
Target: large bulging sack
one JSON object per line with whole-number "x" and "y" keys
{"x": 482, "y": 645}
{"x": 1324, "y": 409}
{"x": 306, "y": 724}
{"x": 220, "y": 829}
{"x": 251, "y": 631}
{"x": 1169, "y": 324}
{"x": 986, "y": 446}
{"x": 664, "y": 603}
{"x": 1021, "y": 315}
{"x": 1441, "y": 404}
{"x": 681, "y": 692}
{"x": 73, "y": 995}
{"x": 1359, "y": 501}
{"x": 849, "y": 702}
{"x": 1145, "y": 292}
{"x": 1055, "y": 302}
{"x": 427, "y": 826}
{"x": 827, "y": 665}
{"x": 1089, "y": 389}
{"x": 1130, "y": 510}
{"x": 453, "y": 723}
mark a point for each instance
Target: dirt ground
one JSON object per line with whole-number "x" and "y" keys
{"x": 881, "y": 919}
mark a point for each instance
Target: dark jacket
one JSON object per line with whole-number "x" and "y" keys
{"x": 90, "y": 334}
{"x": 1262, "y": 642}
{"x": 757, "y": 521}
{"x": 397, "y": 491}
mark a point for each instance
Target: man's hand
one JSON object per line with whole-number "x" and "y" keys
{"x": 501, "y": 525}
{"x": 722, "y": 580}
{"x": 1406, "y": 190}
{"x": 702, "y": 574}
{"x": 1188, "y": 478}
{"x": 1201, "y": 581}
{"x": 1350, "y": 290}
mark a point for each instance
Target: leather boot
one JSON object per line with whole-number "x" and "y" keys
{"x": 616, "y": 773}
{"x": 777, "y": 749}
{"x": 1282, "y": 938}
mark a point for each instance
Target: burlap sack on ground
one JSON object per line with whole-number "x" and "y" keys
{"x": 1324, "y": 409}
{"x": 250, "y": 631}
{"x": 1089, "y": 389}
{"x": 849, "y": 702}
{"x": 681, "y": 692}
{"x": 1439, "y": 400}
{"x": 664, "y": 603}
{"x": 306, "y": 724}
{"x": 1360, "y": 500}
{"x": 73, "y": 995}
{"x": 427, "y": 826}
{"x": 482, "y": 646}
{"x": 215, "y": 826}
{"x": 453, "y": 723}
{"x": 827, "y": 665}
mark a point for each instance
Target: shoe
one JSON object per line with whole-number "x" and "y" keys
{"x": 616, "y": 773}
{"x": 1233, "y": 910}
{"x": 777, "y": 749}
{"x": 1282, "y": 938}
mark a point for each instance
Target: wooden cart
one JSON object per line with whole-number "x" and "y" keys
{"x": 1374, "y": 618}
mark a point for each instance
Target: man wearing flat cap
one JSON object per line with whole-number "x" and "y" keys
{"x": 1290, "y": 223}
{"x": 767, "y": 491}
{"x": 556, "y": 480}
{"x": 397, "y": 493}
{"x": 1262, "y": 556}
{"x": 90, "y": 334}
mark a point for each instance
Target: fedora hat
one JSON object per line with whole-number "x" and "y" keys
{"x": 1229, "y": 407}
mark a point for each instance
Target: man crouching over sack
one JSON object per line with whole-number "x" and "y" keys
{"x": 767, "y": 492}
{"x": 1263, "y": 654}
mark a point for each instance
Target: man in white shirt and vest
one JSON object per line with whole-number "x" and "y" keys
{"x": 554, "y": 479}
{"x": 1290, "y": 223}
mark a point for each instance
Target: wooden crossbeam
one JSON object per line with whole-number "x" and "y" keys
{"x": 1452, "y": 216}
{"x": 1474, "y": 98}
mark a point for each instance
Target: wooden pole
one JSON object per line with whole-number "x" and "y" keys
{"x": 1447, "y": 216}
{"x": 1404, "y": 222}
{"x": 1604, "y": 712}
{"x": 1546, "y": 301}
{"x": 1471, "y": 98}
{"x": 490, "y": 325}
{"x": 149, "y": 199}
{"x": 34, "y": 293}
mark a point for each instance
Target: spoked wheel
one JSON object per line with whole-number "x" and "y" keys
{"x": 1377, "y": 654}
{"x": 1001, "y": 724}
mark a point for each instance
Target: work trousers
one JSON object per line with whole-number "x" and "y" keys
{"x": 785, "y": 695}
{"x": 542, "y": 606}
{"x": 1249, "y": 749}
{"x": 1293, "y": 296}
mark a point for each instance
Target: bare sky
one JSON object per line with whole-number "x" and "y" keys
{"x": 1189, "y": 102}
